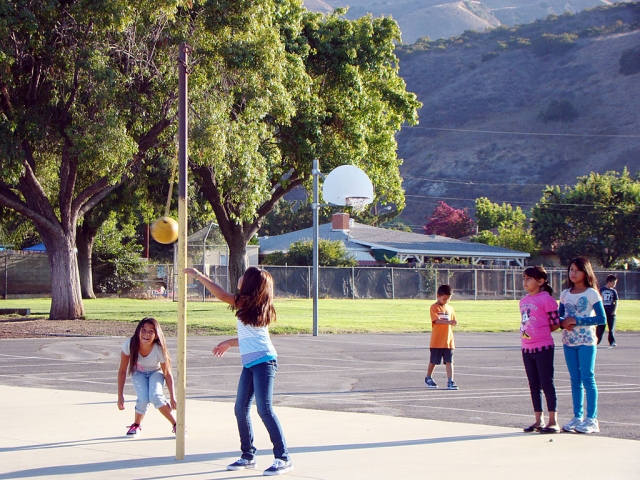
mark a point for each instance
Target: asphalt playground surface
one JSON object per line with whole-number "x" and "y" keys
{"x": 379, "y": 374}
{"x": 326, "y": 386}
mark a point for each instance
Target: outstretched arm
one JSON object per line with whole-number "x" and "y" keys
{"x": 219, "y": 292}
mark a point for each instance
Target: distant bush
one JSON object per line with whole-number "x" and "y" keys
{"x": 559, "y": 111}
{"x": 489, "y": 56}
{"x": 630, "y": 61}
{"x": 550, "y": 44}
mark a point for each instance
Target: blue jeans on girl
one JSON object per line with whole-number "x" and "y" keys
{"x": 149, "y": 389}
{"x": 257, "y": 382}
{"x": 581, "y": 362}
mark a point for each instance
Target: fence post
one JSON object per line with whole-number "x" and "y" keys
{"x": 309, "y": 281}
{"x": 353, "y": 282}
{"x": 393, "y": 286}
{"x": 475, "y": 284}
{"x": 513, "y": 278}
{"x": 505, "y": 282}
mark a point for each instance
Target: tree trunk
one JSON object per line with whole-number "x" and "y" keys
{"x": 66, "y": 300}
{"x": 237, "y": 261}
{"x": 85, "y": 237}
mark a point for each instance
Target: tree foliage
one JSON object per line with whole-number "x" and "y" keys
{"x": 291, "y": 216}
{"x": 331, "y": 253}
{"x": 599, "y": 217}
{"x": 85, "y": 94}
{"x": 116, "y": 257}
{"x": 503, "y": 226}
{"x": 449, "y": 222}
{"x": 283, "y": 87}
{"x": 492, "y": 215}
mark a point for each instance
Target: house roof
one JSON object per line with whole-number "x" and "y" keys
{"x": 362, "y": 236}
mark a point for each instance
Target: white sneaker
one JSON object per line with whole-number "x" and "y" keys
{"x": 242, "y": 463}
{"x": 590, "y": 425}
{"x": 571, "y": 426}
{"x": 279, "y": 467}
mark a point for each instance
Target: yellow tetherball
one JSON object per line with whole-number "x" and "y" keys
{"x": 164, "y": 230}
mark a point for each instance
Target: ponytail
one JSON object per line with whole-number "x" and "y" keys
{"x": 547, "y": 288}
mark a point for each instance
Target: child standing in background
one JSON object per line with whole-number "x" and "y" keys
{"x": 610, "y": 302}
{"x": 146, "y": 358}
{"x": 539, "y": 317}
{"x": 580, "y": 311}
{"x": 443, "y": 318}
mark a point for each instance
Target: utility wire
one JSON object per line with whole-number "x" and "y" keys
{"x": 530, "y": 134}
{"x": 473, "y": 182}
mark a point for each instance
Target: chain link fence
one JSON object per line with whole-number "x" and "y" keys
{"x": 27, "y": 274}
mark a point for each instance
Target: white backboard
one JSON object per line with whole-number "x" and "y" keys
{"x": 344, "y": 182}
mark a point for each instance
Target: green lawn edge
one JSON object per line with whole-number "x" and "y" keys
{"x": 334, "y": 315}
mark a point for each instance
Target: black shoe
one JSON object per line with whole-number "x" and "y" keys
{"x": 533, "y": 428}
{"x": 552, "y": 429}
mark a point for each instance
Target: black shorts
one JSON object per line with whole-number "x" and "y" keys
{"x": 438, "y": 354}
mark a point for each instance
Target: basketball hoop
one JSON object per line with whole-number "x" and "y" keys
{"x": 357, "y": 204}
{"x": 348, "y": 185}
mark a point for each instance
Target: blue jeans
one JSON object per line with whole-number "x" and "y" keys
{"x": 257, "y": 382}
{"x": 149, "y": 389}
{"x": 581, "y": 362}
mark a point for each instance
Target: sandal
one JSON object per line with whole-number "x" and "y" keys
{"x": 550, "y": 429}
{"x": 534, "y": 428}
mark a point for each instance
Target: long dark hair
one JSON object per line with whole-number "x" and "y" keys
{"x": 254, "y": 302}
{"x": 537, "y": 272}
{"x": 135, "y": 343}
{"x": 584, "y": 265}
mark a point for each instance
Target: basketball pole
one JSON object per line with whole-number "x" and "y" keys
{"x": 181, "y": 384}
{"x": 315, "y": 172}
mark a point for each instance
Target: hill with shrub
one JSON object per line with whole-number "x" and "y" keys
{"x": 445, "y": 18}
{"x": 511, "y": 110}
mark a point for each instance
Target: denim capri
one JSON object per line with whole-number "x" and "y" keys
{"x": 149, "y": 389}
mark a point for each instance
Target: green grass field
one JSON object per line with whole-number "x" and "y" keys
{"x": 334, "y": 316}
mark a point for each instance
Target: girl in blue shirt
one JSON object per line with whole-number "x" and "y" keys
{"x": 580, "y": 311}
{"x": 255, "y": 312}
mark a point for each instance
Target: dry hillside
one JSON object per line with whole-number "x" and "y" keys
{"x": 509, "y": 111}
{"x": 445, "y": 18}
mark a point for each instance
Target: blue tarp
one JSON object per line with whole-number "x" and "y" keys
{"x": 37, "y": 248}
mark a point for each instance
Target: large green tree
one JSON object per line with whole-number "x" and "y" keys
{"x": 503, "y": 226}
{"x": 599, "y": 217}
{"x": 85, "y": 93}
{"x": 285, "y": 86}
{"x": 492, "y": 215}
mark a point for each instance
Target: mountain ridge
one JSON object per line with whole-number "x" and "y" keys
{"x": 485, "y": 128}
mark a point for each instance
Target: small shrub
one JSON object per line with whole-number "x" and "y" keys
{"x": 489, "y": 56}
{"x": 549, "y": 44}
{"x": 559, "y": 111}
{"x": 630, "y": 61}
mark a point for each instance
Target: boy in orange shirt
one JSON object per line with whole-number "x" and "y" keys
{"x": 442, "y": 319}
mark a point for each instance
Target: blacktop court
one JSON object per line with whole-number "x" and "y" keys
{"x": 351, "y": 406}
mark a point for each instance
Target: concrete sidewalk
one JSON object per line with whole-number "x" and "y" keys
{"x": 66, "y": 434}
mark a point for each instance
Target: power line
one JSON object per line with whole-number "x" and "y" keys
{"x": 530, "y": 134}
{"x": 588, "y": 207}
{"x": 473, "y": 182}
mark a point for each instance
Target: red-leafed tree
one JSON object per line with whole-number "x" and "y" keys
{"x": 449, "y": 222}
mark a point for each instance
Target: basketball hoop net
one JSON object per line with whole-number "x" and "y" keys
{"x": 357, "y": 204}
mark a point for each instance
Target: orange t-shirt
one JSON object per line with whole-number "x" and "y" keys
{"x": 441, "y": 335}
